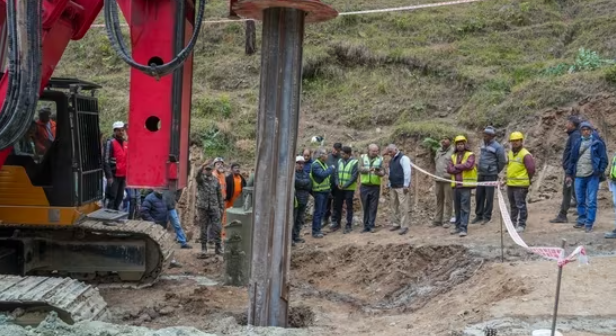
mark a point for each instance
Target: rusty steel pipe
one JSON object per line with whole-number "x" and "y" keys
{"x": 278, "y": 122}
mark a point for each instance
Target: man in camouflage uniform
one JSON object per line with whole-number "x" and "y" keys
{"x": 210, "y": 207}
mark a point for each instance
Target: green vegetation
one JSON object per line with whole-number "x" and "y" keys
{"x": 414, "y": 74}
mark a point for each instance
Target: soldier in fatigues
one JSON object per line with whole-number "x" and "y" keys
{"x": 210, "y": 207}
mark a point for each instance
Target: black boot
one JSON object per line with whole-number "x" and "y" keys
{"x": 218, "y": 249}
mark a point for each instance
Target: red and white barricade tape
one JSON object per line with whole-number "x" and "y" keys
{"x": 552, "y": 253}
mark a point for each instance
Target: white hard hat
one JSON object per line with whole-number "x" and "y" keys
{"x": 299, "y": 159}
{"x": 118, "y": 124}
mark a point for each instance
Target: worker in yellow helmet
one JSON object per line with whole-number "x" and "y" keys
{"x": 520, "y": 171}
{"x": 463, "y": 180}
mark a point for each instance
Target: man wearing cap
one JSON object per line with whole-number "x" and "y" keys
{"x": 399, "y": 185}
{"x": 45, "y": 131}
{"x": 444, "y": 193}
{"x": 114, "y": 165}
{"x": 330, "y": 211}
{"x": 463, "y": 178}
{"x": 320, "y": 174}
{"x": 573, "y": 131}
{"x": 303, "y": 186}
{"x": 520, "y": 171}
{"x": 491, "y": 162}
{"x": 210, "y": 207}
{"x": 587, "y": 164}
{"x": 345, "y": 179}
{"x": 219, "y": 173}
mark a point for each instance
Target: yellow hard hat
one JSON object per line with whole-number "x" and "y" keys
{"x": 516, "y": 136}
{"x": 460, "y": 138}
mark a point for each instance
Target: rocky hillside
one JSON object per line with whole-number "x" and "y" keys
{"x": 401, "y": 76}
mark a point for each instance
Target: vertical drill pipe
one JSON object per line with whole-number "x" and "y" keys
{"x": 558, "y": 282}
{"x": 277, "y": 127}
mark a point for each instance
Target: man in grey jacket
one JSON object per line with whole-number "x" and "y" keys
{"x": 443, "y": 190}
{"x": 491, "y": 162}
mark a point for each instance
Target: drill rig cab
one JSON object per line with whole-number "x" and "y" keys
{"x": 60, "y": 164}
{"x": 53, "y": 233}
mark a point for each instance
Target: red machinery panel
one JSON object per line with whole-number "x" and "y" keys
{"x": 159, "y": 108}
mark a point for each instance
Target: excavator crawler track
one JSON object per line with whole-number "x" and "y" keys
{"x": 154, "y": 248}
{"x": 33, "y": 297}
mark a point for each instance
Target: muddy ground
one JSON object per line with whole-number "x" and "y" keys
{"x": 428, "y": 283}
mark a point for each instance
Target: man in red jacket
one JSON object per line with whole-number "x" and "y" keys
{"x": 114, "y": 164}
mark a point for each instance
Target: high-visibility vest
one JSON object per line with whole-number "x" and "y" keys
{"x": 613, "y": 170}
{"x": 469, "y": 177}
{"x": 344, "y": 173}
{"x": 324, "y": 185}
{"x": 295, "y": 203}
{"x": 371, "y": 178}
{"x": 517, "y": 175}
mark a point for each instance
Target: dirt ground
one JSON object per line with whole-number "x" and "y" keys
{"x": 428, "y": 283}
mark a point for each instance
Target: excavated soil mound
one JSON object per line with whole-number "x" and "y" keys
{"x": 382, "y": 276}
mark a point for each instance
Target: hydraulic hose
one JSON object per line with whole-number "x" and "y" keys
{"x": 24, "y": 69}
{"x": 114, "y": 32}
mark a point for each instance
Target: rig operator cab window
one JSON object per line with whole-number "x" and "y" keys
{"x": 41, "y": 134}
{"x": 61, "y": 151}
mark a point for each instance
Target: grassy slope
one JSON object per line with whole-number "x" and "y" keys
{"x": 383, "y": 76}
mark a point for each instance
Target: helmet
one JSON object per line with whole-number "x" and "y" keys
{"x": 118, "y": 124}
{"x": 299, "y": 159}
{"x": 460, "y": 138}
{"x": 516, "y": 136}
{"x": 218, "y": 159}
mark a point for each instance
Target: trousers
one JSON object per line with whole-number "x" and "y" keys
{"x": 400, "y": 207}
{"x": 517, "y": 205}
{"x": 211, "y": 226}
{"x": 370, "y": 201}
{"x": 444, "y": 201}
{"x": 484, "y": 198}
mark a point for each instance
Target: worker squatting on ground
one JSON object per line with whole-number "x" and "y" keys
{"x": 345, "y": 180}
{"x": 587, "y": 165}
{"x": 303, "y": 188}
{"x": 114, "y": 166}
{"x": 443, "y": 190}
{"x": 210, "y": 209}
{"x": 520, "y": 171}
{"x": 398, "y": 185}
{"x": 320, "y": 174}
{"x": 463, "y": 176}
{"x": 490, "y": 164}
{"x": 371, "y": 171}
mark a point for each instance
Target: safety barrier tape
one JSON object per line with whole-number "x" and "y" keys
{"x": 369, "y": 11}
{"x": 552, "y": 253}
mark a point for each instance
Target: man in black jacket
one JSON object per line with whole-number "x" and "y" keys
{"x": 330, "y": 211}
{"x": 303, "y": 186}
{"x": 235, "y": 183}
{"x": 573, "y": 130}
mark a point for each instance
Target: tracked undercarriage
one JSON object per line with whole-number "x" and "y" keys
{"x": 131, "y": 254}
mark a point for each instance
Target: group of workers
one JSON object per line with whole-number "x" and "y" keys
{"x": 332, "y": 179}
